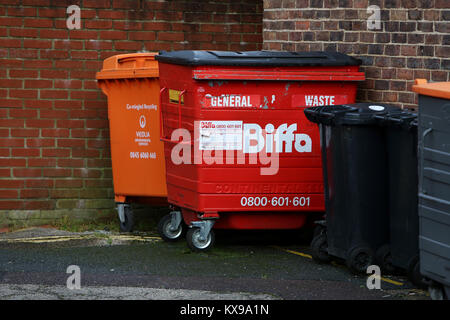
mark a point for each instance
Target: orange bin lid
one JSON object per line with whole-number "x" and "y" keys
{"x": 131, "y": 65}
{"x": 434, "y": 89}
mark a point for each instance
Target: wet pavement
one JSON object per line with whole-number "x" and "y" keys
{"x": 241, "y": 266}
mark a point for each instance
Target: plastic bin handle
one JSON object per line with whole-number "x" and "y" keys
{"x": 327, "y": 118}
{"x": 380, "y": 116}
{"x": 396, "y": 120}
{"x": 387, "y": 118}
{"x": 138, "y": 60}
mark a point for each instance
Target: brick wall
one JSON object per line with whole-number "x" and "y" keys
{"x": 414, "y": 40}
{"x": 54, "y": 152}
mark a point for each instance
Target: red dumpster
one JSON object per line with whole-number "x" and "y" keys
{"x": 240, "y": 153}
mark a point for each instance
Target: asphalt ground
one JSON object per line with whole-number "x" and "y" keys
{"x": 242, "y": 266}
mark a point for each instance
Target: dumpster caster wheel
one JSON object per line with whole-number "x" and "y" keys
{"x": 195, "y": 241}
{"x": 168, "y": 230}
{"x": 359, "y": 259}
{"x": 319, "y": 247}
{"x": 383, "y": 258}
{"x": 318, "y": 230}
{"x": 128, "y": 224}
{"x": 414, "y": 274}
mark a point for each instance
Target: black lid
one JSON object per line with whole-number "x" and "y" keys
{"x": 326, "y": 114}
{"x": 403, "y": 118}
{"x": 350, "y": 114}
{"x": 256, "y": 58}
{"x": 366, "y": 113}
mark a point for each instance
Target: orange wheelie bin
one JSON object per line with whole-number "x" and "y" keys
{"x": 131, "y": 83}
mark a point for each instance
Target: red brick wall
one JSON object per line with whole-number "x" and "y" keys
{"x": 54, "y": 151}
{"x": 414, "y": 41}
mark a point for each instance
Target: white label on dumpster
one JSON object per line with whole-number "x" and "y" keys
{"x": 220, "y": 135}
{"x": 251, "y": 137}
{"x": 231, "y": 101}
{"x": 315, "y": 100}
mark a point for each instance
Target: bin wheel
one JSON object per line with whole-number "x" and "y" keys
{"x": 319, "y": 247}
{"x": 383, "y": 258}
{"x": 196, "y": 244}
{"x": 414, "y": 275}
{"x": 359, "y": 259}
{"x": 318, "y": 230}
{"x": 165, "y": 232}
{"x": 128, "y": 224}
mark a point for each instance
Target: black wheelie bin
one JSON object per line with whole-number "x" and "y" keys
{"x": 401, "y": 145}
{"x": 355, "y": 178}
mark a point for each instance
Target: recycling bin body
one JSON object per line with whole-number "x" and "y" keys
{"x": 434, "y": 181}
{"x": 235, "y": 104}
{"x": 131, "y": 84}
{"x": 355, "y": 176}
